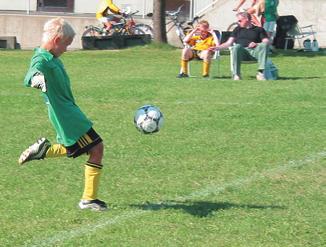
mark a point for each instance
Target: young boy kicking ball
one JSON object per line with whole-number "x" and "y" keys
{"x": 75, "y": 135}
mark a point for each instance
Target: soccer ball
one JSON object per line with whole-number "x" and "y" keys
{"x": 148, "y": 119}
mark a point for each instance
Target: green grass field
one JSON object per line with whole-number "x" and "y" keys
{"x": 237, "y": 163}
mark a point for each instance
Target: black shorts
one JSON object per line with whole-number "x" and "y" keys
{"x": 84, "y": 144}
{"x": 196, "y": 54}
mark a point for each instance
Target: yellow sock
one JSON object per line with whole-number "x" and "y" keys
{"x": 184, "y": 66}
{"x": 56, "y": 150}
{"x": 92, "y": 178}
{"x": 206, "y": 66}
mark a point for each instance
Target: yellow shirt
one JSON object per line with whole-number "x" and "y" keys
{"x": 199, "y": 44}
{"x": 106, "y": 5}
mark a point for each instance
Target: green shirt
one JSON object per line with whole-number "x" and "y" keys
{"x": 68, "y": 120}
{"x": 271, "y": 10}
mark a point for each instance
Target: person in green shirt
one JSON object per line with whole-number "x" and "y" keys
{"x": 270, "y": 16}
{"x": 75, "y": 135}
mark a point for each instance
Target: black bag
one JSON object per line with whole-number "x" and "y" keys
{"x": 284, "y": 24}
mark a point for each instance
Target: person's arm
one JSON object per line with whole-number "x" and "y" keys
{"x": 241, "y": 2}
{"x": 99, "y": 15}
{"x": 216, "y": 41}
{"x": 226, "y": 44}
{"x": 230, "y": 40}
{"x": 263, "y": 37}
{"x": 102, "y": 7}
{"x": 113, "y": 8}
{"x": 253, "y": 3}
{"x": 189, "y": 35}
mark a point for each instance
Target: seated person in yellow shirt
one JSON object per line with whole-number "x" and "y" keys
{"x": 107, "y": 13}
{"x": 198, "y": 43}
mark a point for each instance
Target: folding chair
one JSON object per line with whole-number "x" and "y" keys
{"x": 217, "y": 54}
{"x": 299, "y": 33}
{"x": 268, "y": 63}
{"x": 243, "y": 61}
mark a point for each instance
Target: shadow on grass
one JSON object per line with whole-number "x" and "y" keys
{"x": 200, "y": 208}
{"x": 222, "y": 77}
{"x": 298, "y": 53}
{"x": 299, "y": 77}
{"x": 293, "y": 78}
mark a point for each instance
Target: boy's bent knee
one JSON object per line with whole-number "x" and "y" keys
{"x": 186, "y": 53}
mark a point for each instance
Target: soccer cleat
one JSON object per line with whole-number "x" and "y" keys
{"x": 36, "y": 151}
{"x": 260, "y": 76}
{"x": 182, "y": 75}
{"x": 95, "y": 205}
{"x": 206, "y": 76}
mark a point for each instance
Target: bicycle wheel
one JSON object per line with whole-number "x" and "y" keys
{"x": 118, "y": 32}
{"x": 180, "y": 33}
{"x": 132, "y": 31}
{"x": 232, "y": 26}
{"x": 147, "y": 29}
{"x": 92, "y": 31}
{"x": 138, "y": 31}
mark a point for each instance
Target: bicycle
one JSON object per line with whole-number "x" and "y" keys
{"x": 182, "y": 27}
{"x": 126, "y": 26}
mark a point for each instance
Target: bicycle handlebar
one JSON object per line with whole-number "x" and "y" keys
{"x": 131, "y": 14}
{"x": 174, "y": 13}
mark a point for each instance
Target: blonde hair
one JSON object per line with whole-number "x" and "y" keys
{"x": 57, "y": 27}
{"x": 204, "y": 22}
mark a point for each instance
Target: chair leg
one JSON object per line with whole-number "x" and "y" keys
{"x": 299, "y": 44}
{"x": 231, "y": 63}
{"x": 218, "y": 67}
{"x": 215, "y": 65}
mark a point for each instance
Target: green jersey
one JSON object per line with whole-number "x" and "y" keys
{"x": 68, "y": 120}
{"x": 270, "y": 10}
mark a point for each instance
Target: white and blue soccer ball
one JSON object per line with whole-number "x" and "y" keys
{"x": 148, "y": 119}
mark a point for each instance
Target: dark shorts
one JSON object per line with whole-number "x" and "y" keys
{"x": 84, "y": 144}
{"x": 196, "y": 54}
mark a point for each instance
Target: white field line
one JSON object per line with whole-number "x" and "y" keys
{"x": 215, "y": 190}
{"x": 205, "y": 192}
{"x": 87, "y": 229}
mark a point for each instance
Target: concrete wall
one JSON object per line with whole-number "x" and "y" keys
{"x": 86, "y": 6}
{"x": 28, "y": 29}
{"x": 81, "y": 6}
{"x": 18, "y": 5}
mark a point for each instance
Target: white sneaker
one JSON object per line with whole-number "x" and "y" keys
{"x": 236, "y": 78}
{"x": 36, "y": 151}
{"x": 260, "y": 76}
{"x": 95, "y": 205}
